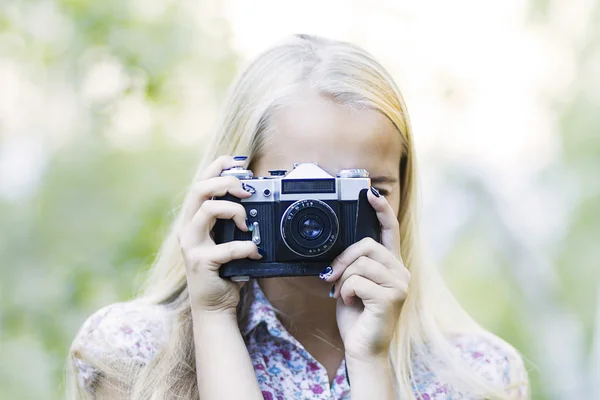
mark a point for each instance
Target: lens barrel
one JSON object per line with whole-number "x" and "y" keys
{"x": 309, "y": 227}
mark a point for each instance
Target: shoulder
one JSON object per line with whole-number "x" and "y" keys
{"x": 118, "y": 333}
{"x": 493, "y": 361}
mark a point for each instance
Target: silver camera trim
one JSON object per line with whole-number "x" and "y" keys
{"x": 286, "y": 212}
{"x": 348, "y": 183}
{"x": 353, "y": 173}
{"x": 238, "y": 172}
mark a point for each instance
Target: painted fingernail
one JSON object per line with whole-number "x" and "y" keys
{"x": 248, "y": 188}
{"x": 375, "y": 191}
{"x": 240, "y": 158}
{"x": 327, "y": 272}
{"x": 332, "y": 291}
{"x": 262, "y": 252}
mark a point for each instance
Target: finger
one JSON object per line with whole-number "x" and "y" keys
{"x": 357, "y": 286}
{"x": 216, "y": 167}
{"x": 234, "y": 250}
{"x": 198, "y": 230}
{"x": 373, "y": 296}
{"x": 390, "y": 228}
{"x": 213, "y": 187}
{"x": 366, "y": 247}
{"x": 369, "y": 269}
{"x": 216, "y": 255}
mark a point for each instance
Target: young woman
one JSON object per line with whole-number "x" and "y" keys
{"x": 378, "y": 324}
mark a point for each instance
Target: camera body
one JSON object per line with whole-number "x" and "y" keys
{"x": 301, "y": 220}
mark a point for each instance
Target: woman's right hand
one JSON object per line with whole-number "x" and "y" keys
{"x": 202, "y": 257}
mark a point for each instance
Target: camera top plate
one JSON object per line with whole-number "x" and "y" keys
{"x": 238, "y": 172}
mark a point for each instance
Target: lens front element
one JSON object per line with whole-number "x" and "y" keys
{"x": 311, "y": 227}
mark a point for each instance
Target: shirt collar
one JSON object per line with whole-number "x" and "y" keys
{"x": 262, "y": 311}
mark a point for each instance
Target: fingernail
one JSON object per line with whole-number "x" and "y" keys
{"x": 248, "y": 188}
{"x": 262, "y": 252}
{"x": 240, "y": 158}
{"x": 250, "y": 225}
{"x": 332, "y": 291}
{"x": 375, "y": 191}
{"x": 327, "y": 272}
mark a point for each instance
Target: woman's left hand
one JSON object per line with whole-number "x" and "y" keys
{"x": 371, "y": 284}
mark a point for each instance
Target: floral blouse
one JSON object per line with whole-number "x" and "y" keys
{"x": 284, "y": 369}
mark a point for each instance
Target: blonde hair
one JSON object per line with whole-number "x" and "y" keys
{"x": 347, "y": 75}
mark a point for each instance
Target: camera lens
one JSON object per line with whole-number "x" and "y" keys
{"x": 311, "y": 227}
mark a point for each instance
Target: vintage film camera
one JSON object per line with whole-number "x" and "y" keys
{"x": 301, "y": 220}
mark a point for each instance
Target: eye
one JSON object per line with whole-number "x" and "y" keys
{"x": 382, "y": 191}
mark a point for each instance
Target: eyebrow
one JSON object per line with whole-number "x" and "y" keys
{"x": 383, "y": 179}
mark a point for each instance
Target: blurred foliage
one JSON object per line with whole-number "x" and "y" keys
{"x": 94, "y": 221}
{"x": 80, "y": 242}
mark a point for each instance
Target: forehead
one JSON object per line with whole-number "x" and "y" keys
{"x": 313, "y": 128}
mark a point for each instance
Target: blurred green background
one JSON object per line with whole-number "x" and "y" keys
{"x": 103, "y": 107}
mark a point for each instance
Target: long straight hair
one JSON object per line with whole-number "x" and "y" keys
{"x": 346, "y": 75}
